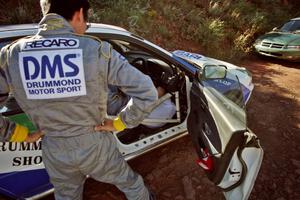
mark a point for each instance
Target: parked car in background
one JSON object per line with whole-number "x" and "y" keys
{"x": 283, "y": 43}
{"x": 210, "y": 97}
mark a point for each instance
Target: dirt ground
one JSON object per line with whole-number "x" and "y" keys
{"x": 273, "y": 114}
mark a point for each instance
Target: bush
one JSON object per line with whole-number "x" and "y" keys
{"x": 224, "y": 29}
{"x": 25, "y": 11}
{"x": 130, "y": 14}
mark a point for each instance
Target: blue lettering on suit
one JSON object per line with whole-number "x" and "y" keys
{"x": 41, "y": 68}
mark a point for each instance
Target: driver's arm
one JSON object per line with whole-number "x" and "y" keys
{"x": 135, "y": 84}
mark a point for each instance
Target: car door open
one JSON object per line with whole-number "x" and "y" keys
{"x": 228, "y": 151}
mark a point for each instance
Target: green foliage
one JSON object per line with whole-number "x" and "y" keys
{"x": 163, "y": 30}
{"x": 224, "y": 29}
{"x": 24, "y": 11}
{"x": 130, "y": 14}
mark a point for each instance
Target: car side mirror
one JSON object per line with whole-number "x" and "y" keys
{"x": 213, "y": 72}
{"x": 297, "y": 31}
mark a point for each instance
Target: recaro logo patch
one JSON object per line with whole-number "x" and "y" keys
{"x": 52, "y": 74}
{"x": 51, "y": 43}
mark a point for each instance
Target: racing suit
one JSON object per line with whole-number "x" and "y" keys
{"x": 10, "y": 131}
{"x": 60, "y": 79}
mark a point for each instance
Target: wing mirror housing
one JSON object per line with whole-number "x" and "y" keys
{"x": 212, "y": 72}
{"x": 297, "y": 31}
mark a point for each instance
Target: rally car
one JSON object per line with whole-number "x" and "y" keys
{"x": 210, "y": 97}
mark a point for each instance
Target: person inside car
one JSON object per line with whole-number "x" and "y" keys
{"x": 117, "y": 101}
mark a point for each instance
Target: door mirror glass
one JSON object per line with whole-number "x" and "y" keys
{"x": 213, "y": 72}
{"x": 297, "y": 31}
{"x": 275, "y": 29}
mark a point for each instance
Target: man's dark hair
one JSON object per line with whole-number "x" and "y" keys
{"x": 65, "y": 8}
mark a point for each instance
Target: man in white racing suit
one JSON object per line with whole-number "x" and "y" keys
{"x": 60, "y": 78}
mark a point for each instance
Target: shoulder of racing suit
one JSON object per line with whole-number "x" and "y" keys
{"x": 105, "y": 47}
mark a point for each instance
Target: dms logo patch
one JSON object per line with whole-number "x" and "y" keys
{"x": 52, "y": 74}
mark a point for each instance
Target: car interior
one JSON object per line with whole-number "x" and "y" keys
{"x": 162, "y": 73}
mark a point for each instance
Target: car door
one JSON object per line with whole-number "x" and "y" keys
{"x": 228, "y": 151}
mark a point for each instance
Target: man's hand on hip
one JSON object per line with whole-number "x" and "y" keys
{"x": 33, "y": 137}
{"x": 107, "y": 125}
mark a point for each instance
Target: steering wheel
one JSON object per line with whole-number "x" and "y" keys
{"x": 141, "y": 64}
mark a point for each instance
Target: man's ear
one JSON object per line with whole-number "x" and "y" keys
{"x": 77, "y": 16}
{"x": 81, "y": 15}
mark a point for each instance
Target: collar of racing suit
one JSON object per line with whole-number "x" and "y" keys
{"x": 54, "y": 24}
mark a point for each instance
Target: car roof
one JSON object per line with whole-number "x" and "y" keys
{"x": 297, "y": 18}
{"x": 29, "y": 29}
{"x": 35, "y": 26}
{"x": 18, "y": 27}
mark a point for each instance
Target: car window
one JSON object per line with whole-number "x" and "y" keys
{"x": 132, "y": 51}
{"x": 229, "y": 86}
{"x": 291, "y": 26}
{"x": 125, "y": 46}
{"x": 229, "y": 91}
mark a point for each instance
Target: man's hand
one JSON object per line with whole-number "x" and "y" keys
{"x": 107, "y": 125}
{"x": 33, "y": 137}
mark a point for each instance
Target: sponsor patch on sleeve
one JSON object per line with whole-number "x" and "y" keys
{"x": 52, "y": 74}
